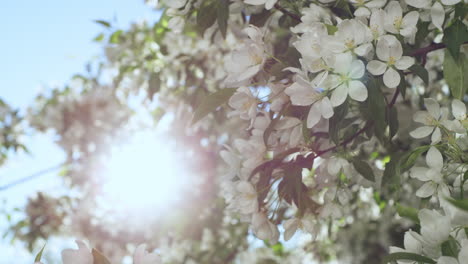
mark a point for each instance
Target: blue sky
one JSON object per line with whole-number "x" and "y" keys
{"x": 44, "y": 43}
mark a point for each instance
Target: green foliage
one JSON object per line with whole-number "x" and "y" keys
{"x": 211, "y": 102}
{"x": 407, "y": 256}
{"x": 450, "y": 248}
{"x": 454, "y": 36}
{"x": 103, "y": 23}
{"x": 39, "y": 255}
{"x": 455, "y": 74}
{"x": 364, "y": 169}
{"x": 460, "y": 204}
{"x": 407, "y": 212}
{"x": 223, "y": 16}
{"x": 421, "y": 72}
{"x": 409, "y": 158}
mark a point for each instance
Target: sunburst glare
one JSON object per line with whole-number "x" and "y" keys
{"x": 145, "y": 173}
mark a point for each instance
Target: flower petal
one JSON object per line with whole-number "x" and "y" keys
{"x": 357, "y": 91}
{"x": 419, "y": 173}
{"x": 434, "y": 158}
{"x": 391, "y": 78}
{"x": 458, "y": 109}
{"x": 357, "y": 69}
{"x": 421, "y": 132}
{"x": 314, "y": 116}
{"x": 326, "y": 108}
{"x": 433, "y": 107}
{"x": 404, "y": 63}
{"x": 436, "y": 136}
{"x": 339, "y": 95}
{"x": 438, "y": 15}
{"x": 376, "y": 67}
{"x": 426, "y": 190}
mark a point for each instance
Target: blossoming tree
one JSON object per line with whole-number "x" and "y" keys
{"x": 344, "y": 120}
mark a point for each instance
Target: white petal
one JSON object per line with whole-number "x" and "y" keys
{"x": 451, "y": 2}
{"x": 300, "y": 95}
{"x": 357, "y": 91}
{"x": 421, "y": 132}
{"x": 391, "y": 78}
{"x": 410, "y": 19}
{"x": 314, "y": 116}
{"x": 363, "y": 49}
{"x": 419, "y": 3}
{"x": 422, "y": 117}
{"x": 357, "y": 69}
{"x": 437, "y": 15}
{"x": 419, "y": 173}
{"x": 339, "y": 95}
{"x": 426, "y": 190}
{"x": 395, "y": 49}
{"x": 458, "y": 109}
{"x": 412, "y": 244}
{"x": 432, "y": 107}
{"x": 436, "y": 136}
{"x": 404, "y": 63}
{"x": 376, "y": 67}
{"x": 290, "y": 228}
{"x": 326, "y": 108}
{"x": 434, "y": 158}
{"x": 343, "y": 62}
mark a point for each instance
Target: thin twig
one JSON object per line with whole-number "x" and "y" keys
{"x": 288, "y": 13}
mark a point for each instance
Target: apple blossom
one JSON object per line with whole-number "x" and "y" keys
{"x": 433, "y": 118}
{"x": 82, "y": 255}
{"x": 389, "y": 52}
{"x": 346, "y": 80}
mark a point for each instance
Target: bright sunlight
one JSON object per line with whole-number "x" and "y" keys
{"x": 144, "y": 173}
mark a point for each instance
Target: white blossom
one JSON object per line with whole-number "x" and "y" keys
{"x": 389, "y": 52}
{"x": 141, "y": 256}
{"x": 82, "y": 255}
{"x": 432, "y": 176}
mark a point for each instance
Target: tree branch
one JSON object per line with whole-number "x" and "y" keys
{"x": 31, "y": 177}
{"x": 288, "y": 13}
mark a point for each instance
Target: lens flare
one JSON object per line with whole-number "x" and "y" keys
{"x": 145, "y": 173}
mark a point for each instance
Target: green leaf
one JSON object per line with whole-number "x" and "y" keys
{"x": 460, "y": 204}
{"x": 223, "y": 15}
{"x": 103, "y": 23}
{"x": 421, "y": 72}
{"x": 115, "y": 37}
{"x": 407, "y": 212}
{"x": 39, "y": 255}
{"x": 154, "y": 85}
{"x": 377, "y": 108}
{"x": 455, "y": 74}
{"x": 364, "y": 169}
{"x": 99, "y": 258}
{"x": 211, "y": 102}
{"x": 409, "y": 158}
{"x": 391, "y": 175}
{"x": 336, "y": 121}
{"x": 393, "y": 121}
{"x": 331, "y": 29}
{"x": 454, "y": 36}
{"x": 450, "y": 248}
{"x": 99, "y": 37}
{"x": 407, "y": 256}
{"x": 206, "y": 15}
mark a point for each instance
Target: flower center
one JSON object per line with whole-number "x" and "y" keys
{"x": 256, "y": 58}
{"x": 391, "y": 61}
{"x": 397, "y": 22}
{"x": 349, "y": 43}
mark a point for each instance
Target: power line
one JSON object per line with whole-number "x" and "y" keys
{"x": 31, "y": 177}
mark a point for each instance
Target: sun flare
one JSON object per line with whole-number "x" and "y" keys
{"x": 144, "y": 173}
